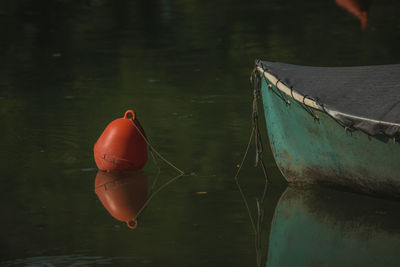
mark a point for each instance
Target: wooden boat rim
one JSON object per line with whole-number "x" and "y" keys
{"x": 290, "y": 92}
{"x": 312, "y": 103}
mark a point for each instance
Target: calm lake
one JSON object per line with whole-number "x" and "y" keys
{"x": 68, "y": 68}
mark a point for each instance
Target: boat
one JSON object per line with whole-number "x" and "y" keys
{"x": 338, "y": 126}
{"x": 310, "y": 227}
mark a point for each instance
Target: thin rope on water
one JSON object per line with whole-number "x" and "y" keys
{"x": 255, "y": 133}
{"x": 245, "y": 155}
{"x": 152, "y": 152}
{"x": 155, "y": 192}
{"x": 158, "y": 171}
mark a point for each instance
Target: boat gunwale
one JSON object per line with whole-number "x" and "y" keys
{"x": 306, "y": 100}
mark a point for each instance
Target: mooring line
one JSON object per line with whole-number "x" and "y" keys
{"x": 152, "y": 151}
{"x": 245, "y": 155}
{"x": 155, "y": 151}
{"x": 247, "y": 207}
{"x": 255, "y": 132}
{"x": 158, "y": 170}
{"x": 155, "y": 193}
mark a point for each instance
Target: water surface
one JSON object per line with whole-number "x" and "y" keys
{"x": 68, "y": 68}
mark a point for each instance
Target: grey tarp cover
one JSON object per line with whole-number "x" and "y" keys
{"x": 365, "y": 98}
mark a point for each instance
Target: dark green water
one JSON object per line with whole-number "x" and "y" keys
{"x": 69, "y": 68}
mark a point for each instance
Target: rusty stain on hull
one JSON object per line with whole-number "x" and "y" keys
{"x": 345, "y": 181}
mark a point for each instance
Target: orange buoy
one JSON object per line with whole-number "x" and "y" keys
{"x": 123, "y": 194}
{"x": 121, "y": 146}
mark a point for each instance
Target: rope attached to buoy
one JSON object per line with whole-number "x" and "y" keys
{"x": 152, "y": 149}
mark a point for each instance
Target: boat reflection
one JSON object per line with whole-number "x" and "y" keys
{"x": 324, "y": 227}
{"x": 357, "y": 8}
{"x": 123, "y": 194}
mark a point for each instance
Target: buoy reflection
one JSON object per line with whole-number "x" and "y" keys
{"x": 123, "y": 194}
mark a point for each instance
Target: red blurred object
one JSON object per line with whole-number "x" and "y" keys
{"x": 357, "y": 8}
{"x": 121, "y": 146}
{"x": 123, "y": 194}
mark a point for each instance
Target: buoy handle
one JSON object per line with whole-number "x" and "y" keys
{"x": 130, "y": 114}
{"x": 132, "y": 224}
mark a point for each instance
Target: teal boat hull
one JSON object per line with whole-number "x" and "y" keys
{"x": 310, "y": 227}
{"x": 307, "y": 150}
